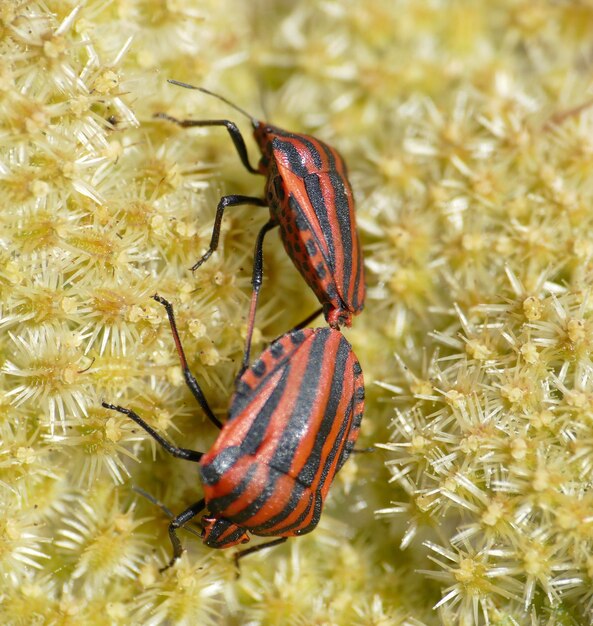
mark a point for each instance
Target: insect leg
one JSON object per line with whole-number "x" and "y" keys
{"x": 190, "y": 380}
{"x": 256, "y": 281}
{"x": 307, "y": 320}
{"x": 302, "y": 324}
{"x": 225, "y": 201}
{"x": 262, "y": 546}
{"x": 178, "y": 522}
{"x": 180, "y": 453}
{"x": 231, "y": 127}
{"x": 363, "y": 450}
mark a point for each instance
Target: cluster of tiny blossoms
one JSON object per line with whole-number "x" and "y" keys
{"x": 492, "y": 449}
{"x": 103, "y": 206}
{"x": 485, "y": 278}
{"x": 100, "y": 210}
{"x": 470, "y": 157}
{"x": 471, "y": 127}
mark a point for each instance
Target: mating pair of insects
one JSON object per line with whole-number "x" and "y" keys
{"x": 296, "y": 412}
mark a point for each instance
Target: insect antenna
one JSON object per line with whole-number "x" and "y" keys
{"x": 211, "y": 93}
{"x": 166, "y": 510}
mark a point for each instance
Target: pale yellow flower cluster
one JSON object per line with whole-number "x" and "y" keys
{"x": 467, "y": 130}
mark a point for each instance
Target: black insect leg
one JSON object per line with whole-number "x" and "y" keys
{"x": 368, "y": 450}
{"x": 190, "y": 380}
{"x": 234, "y": 132}
{"x": 256, "y": 282}
{"x": 180, "y": 453}
{"x": 307, "y": 320}
{"x": 178, "y": 522}
{"x": 262, "y": 546}
{"x": 225, "y": 202}
{"x": 302, "y": 324}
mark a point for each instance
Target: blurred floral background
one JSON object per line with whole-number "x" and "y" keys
{"x": 468, "y": 134}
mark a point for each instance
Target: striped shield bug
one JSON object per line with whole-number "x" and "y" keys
{"x": 292, "y": 423}
{"x": 310, "y": 200}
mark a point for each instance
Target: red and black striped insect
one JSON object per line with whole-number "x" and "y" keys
{"x": 292, "y": 423}
{"x": 310, "y": 200}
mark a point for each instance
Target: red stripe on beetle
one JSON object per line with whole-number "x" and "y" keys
{"x": 310, "y": 199}
{"x": 297, "y": 438}
{"x": 293, "y": 421}
{"x": 317, "y": 190}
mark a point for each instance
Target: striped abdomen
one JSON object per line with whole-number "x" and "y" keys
{"x": 311, "y": 199}
{"x": 293, "y": 422}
